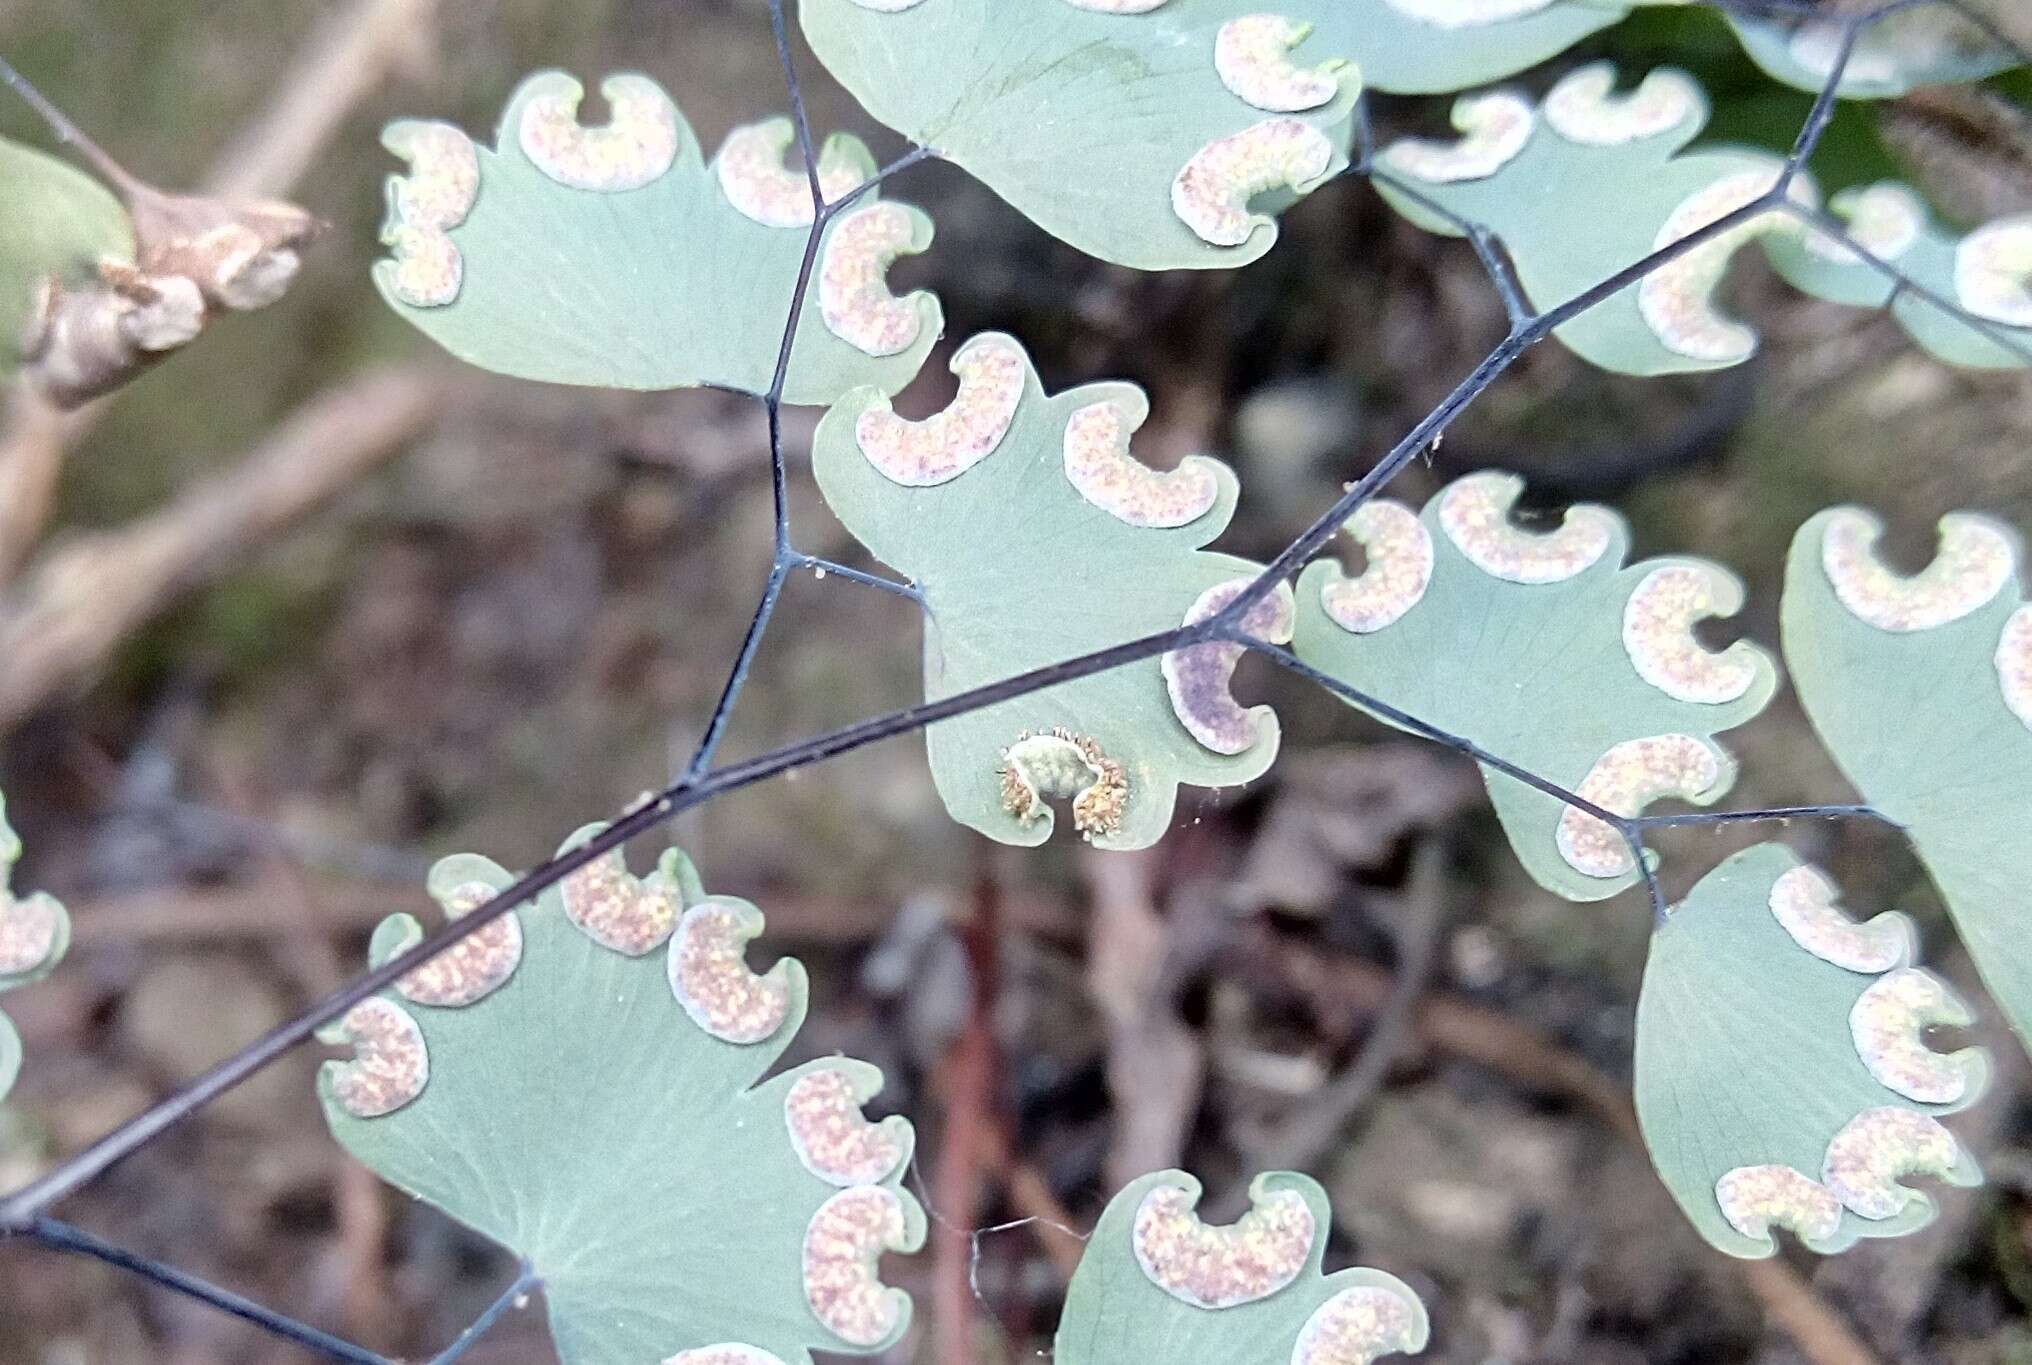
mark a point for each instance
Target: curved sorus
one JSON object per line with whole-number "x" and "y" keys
{"x": 1221, "y": 1267}
{"x": 710, "y": 977}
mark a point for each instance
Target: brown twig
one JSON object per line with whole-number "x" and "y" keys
{"x": 1155, "y": 1064}
{"x": 83, "y": 598}
{"x": 178, "y": 914}
{"x": 968, "y": 1087}
{"x": 1334, "y": 983}
{"x": 1317, "y": 1127}
{"x": 36, "y": 436}
{"x": 309, "y": 957}
{"x": 345, "y": 57}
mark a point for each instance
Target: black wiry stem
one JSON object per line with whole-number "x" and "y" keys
{"x": 21, "y": 1207}
{"x": 737, "y": 677}
{"x": 1780, "y": 813}
{"x": 1826, "y": 224}
{"x": 787, "y": 557}
{"x": 1434, "y": 424}
{"x": 1632, "y": 831}
{"x": 1403, "y": 719}
{"x": 1822, "y": 112}
{"x": 77, "y": 1242}
{"x": 22, "y": 1214}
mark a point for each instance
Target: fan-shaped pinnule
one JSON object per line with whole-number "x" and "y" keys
{"x": 1176, "y": 130}
{"x": 1422, "y": 47}
{"x": 1921, "y": 688}
{"x": 1783, "y": 1074}
{"x": 585, "y": 1088}
{"x": 616, "y": 256}
{"x": 1036, "y": 535}
{"x": 1158, "y": 1285}
{"x": 1594, "y": 179}
{"x": 35, "y": 932}
{"x": 1543, "y": 648}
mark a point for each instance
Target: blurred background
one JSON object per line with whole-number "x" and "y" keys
{"x": 310, "y": 605}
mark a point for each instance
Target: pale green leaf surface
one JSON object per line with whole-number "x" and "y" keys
{"x": 35, "y": 932}
{"x": 1019, "y": 570}
{"x": 1115, "y": 1312}
{"x": 663, "y": 286}
{"x": 1081, "y": 120}
{"x": 1918, "y": 723}
{"x": 58, "y": 224}
{"x": 10, "y": 1055}
{"x": 1745, "y": 1058}
{"x": 1536, "y": 673}
{"x": 1401, "y": 51}
{"x": 578, "y": 1116}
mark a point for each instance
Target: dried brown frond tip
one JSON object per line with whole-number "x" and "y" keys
{"x": 241, "y": 256}
{"x": 85, "y": 341}
{"x": 194, "y": 258}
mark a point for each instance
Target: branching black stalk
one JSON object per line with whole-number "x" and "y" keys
{"x": 1631, "y": 830}
{"x": 22, "y": 1214}
{"x": 1826, "y": 224}
{"x": 1434, "y": 424}
{"x": 779, "y": 29}
{"x": 737, "y": 677}
{"x": 19, "y": 1209}
{"x": 1822, "y": 112}
{"x": 1489, "y": 249}
{"x": 787, "y": 558}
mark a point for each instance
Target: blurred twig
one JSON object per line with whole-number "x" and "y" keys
{"x": 81, "y": 600}
{"x": 171, "y": 914}
{"x": 1524, "y": 1054}
{"x": 347, "y": 55}
{"x": 1312, "y": 1132}
{"x": 1155, "y": 1063}
{"x": 311, "y": 959}
{"x": 345, "y": 58}
{"x": 32, "y": 446}
{"x": 969, "y": 1088}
